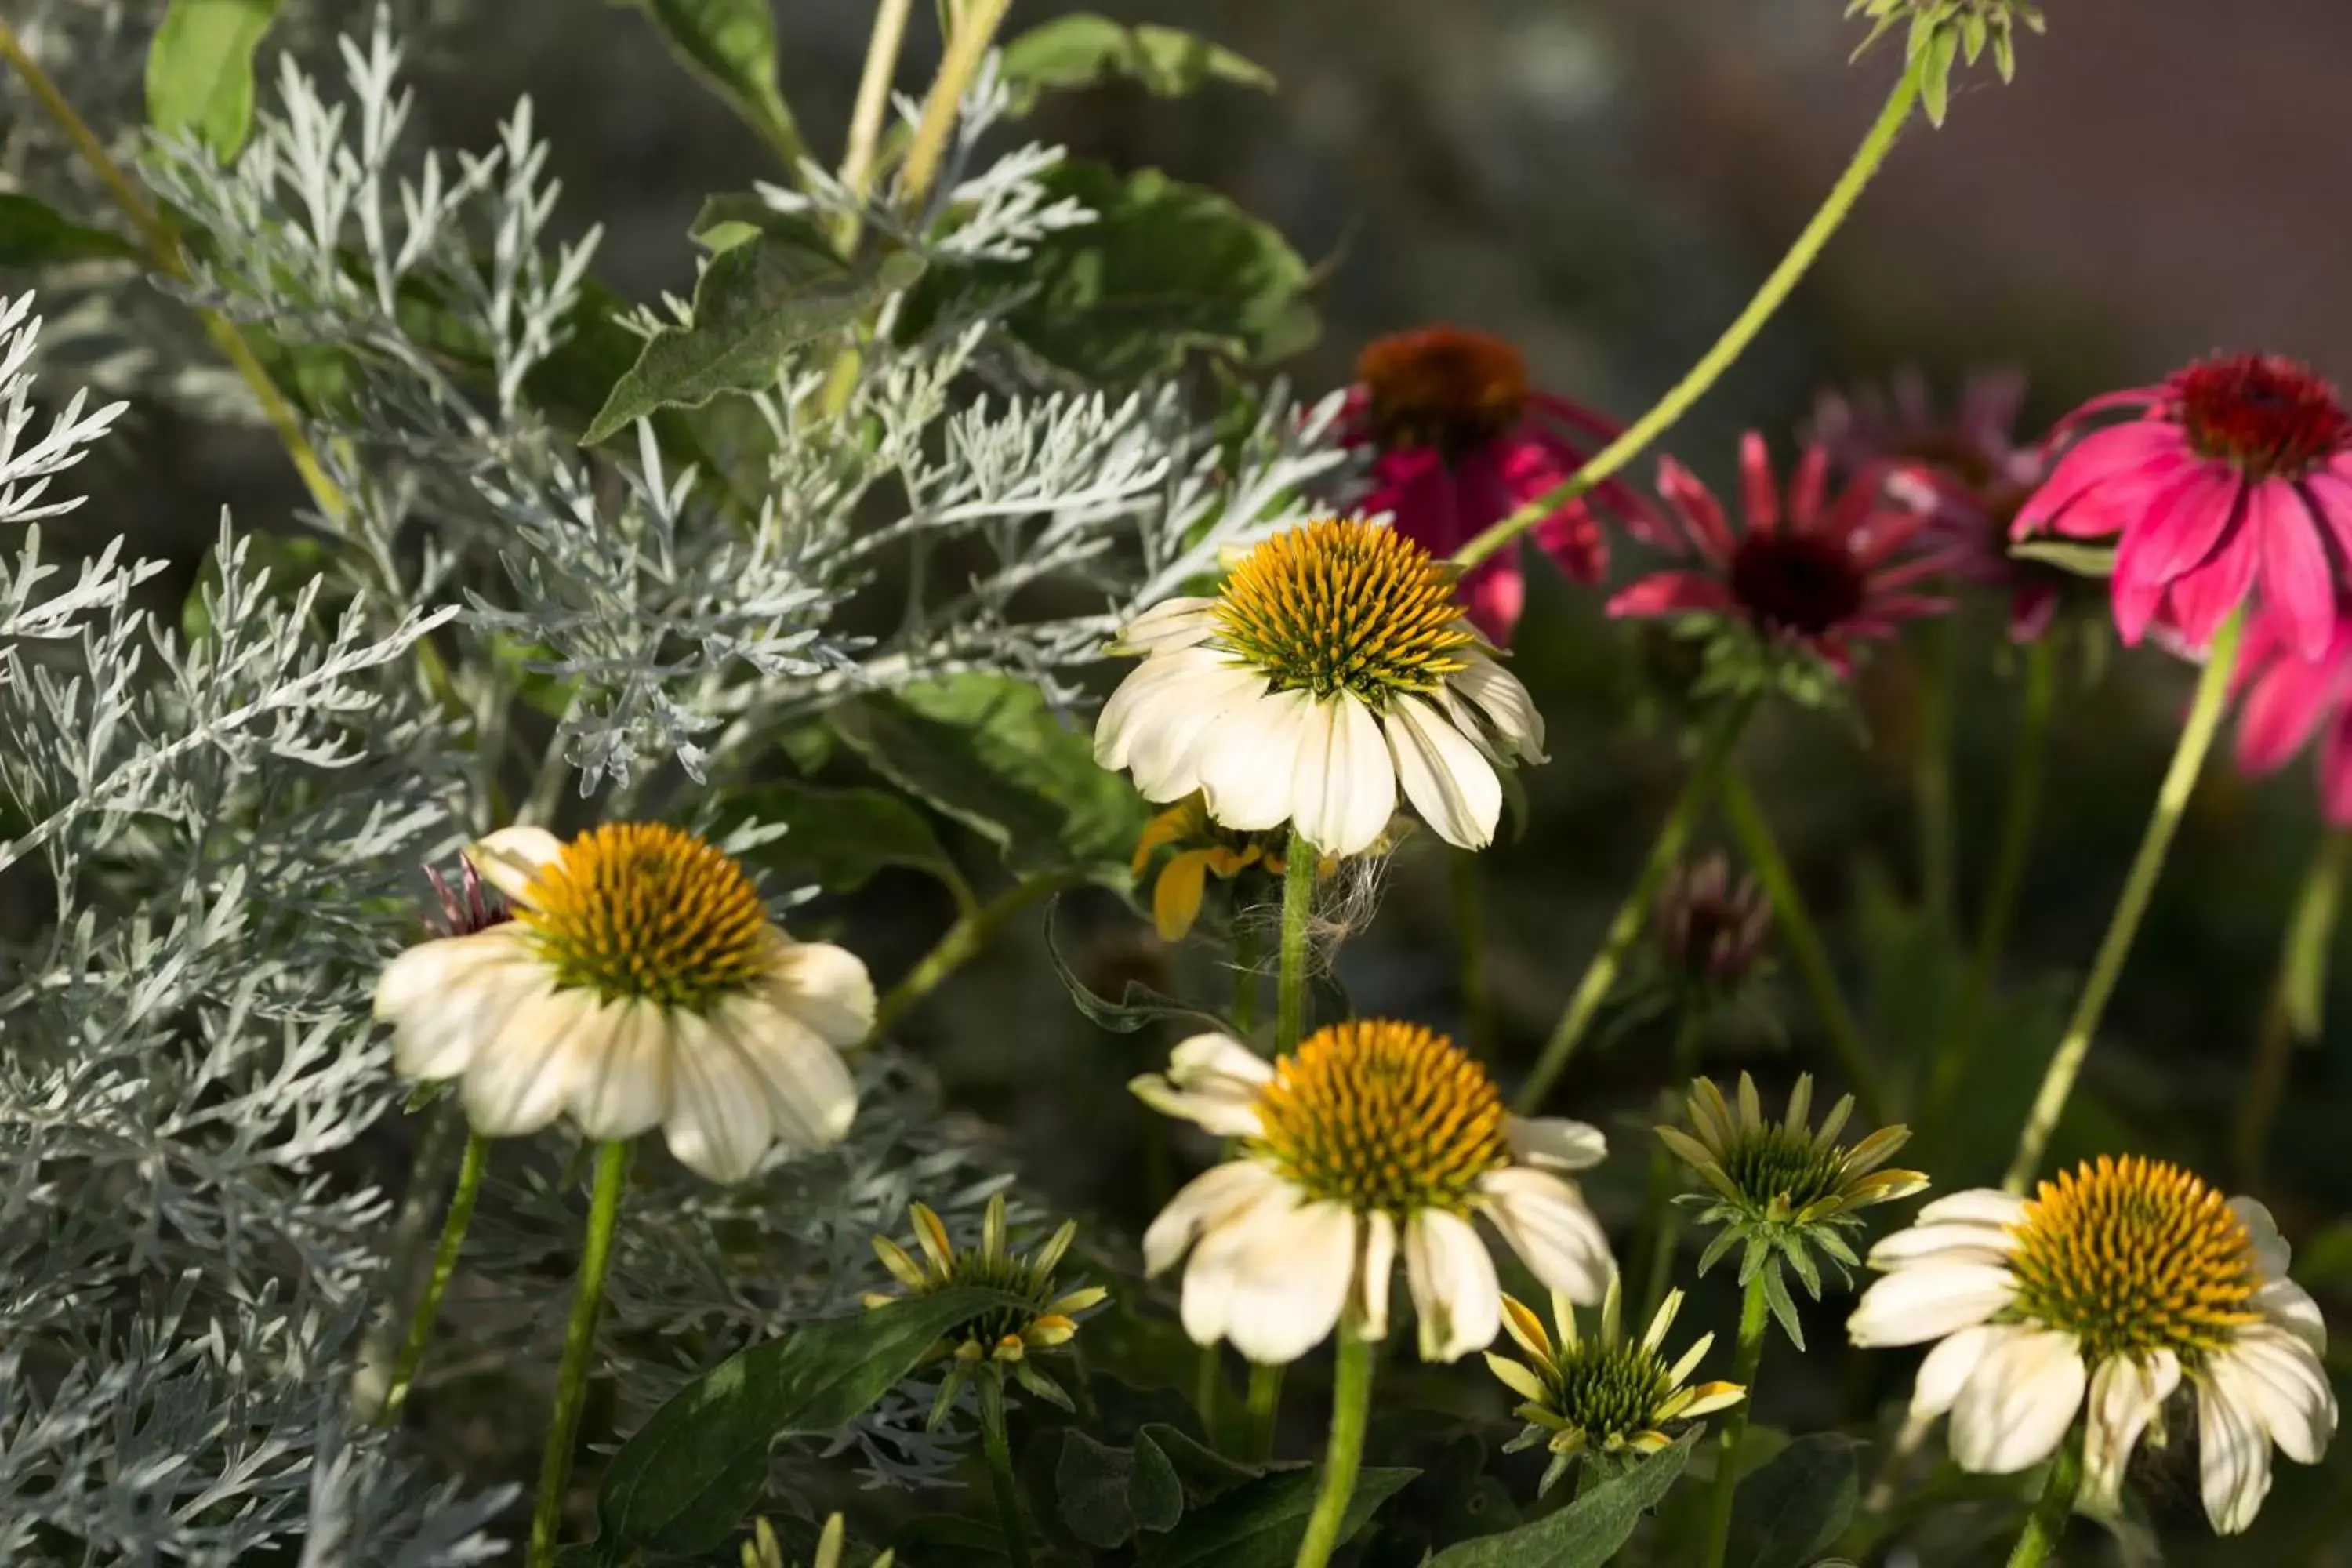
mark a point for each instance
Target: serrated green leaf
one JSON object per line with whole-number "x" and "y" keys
{"x": 686, "y": 1478}
{"x": 755, "y": 303}
{"x": 1791, "y": 1510}
{"x": 729, "y": 46}
{"x": 1083, "y": 50}
{"x": 987, "y": 751}
{"x": 1105, "y": 1496}
{"x": 200, "y": 71}
{"x": 1166, "y": 270}
{"x": 35, "y": 233}
{"x": 1260, "y": 1524}
{"x": 839, "y": 837}
{"x": 1588, "y": 1533}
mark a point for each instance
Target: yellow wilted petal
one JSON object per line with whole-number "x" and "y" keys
{"x": 1521, "y": 1380}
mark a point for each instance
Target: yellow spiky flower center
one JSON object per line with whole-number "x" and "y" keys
{"x": 642, "y": 910}
{"x": 2134, "y": 1256}
{"x": 1383, "y": 1115}
{"x": 1344, "y": 606}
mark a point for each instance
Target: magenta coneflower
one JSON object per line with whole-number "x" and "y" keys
{"x": 2290, "y": 701}
{"x": 2236, "y": 474}
{"x": 1964, "y": 470}
{"x": 1461, "y": 442}
{"x": 1832, "y": 572}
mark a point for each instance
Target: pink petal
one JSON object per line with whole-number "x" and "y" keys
{"x": 1671, "y": 594}
{"x": 2139, "y": 398}
{"x": 2299, "y": 580}
{"x": 2181, "y": 527}
{"x": 2138, "y": 592}
{"x": 1529, "y": 468}
{"x": 1760, "y": 497}
{"x": 2287, "y": 703}
{"x": 1417, "y": 489}
{"x": 1702, "y": 517}
{"x": 2202, "y": 600}
{"x": 2330, "y": 493}
{"x": 1811, "y": 481}
{"x": 1493, "y": 593}
{"x": 2121, "y": 451}
{"x": 1575, "y": 415}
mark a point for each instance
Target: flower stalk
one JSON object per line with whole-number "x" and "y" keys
{"x": 436, "y": 1285}
{"x": 1261, "y": 1410}
{"x": 1769, "y": 296}
{"x": 1351, "y": 1403}
{"x": 2047, "y": 1522}
{"x": 1755, "y": 1311}
{"x": 999, "y": 1450}
{"x": 579, "y": 1348}
{"x": 1298, "y": 907}
{"x": 2171, "y": 800}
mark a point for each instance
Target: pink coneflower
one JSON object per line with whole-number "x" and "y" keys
{"x": 1964, "y": 469}
{"x": 2291, "y": 700}
{"x": 1833, "y": 572}
{"x": 1461, "y": 442}
{"x": 2235, "y": 473}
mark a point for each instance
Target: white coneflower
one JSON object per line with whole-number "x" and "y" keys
{"x": 1335, "y": 666}
{"x": 639, "y": 983}
{"x": 2116, "y": 1281}
{"x": 1373, "y": 1134}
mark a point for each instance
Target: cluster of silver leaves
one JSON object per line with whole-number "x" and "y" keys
{"x": 211, "y": 823}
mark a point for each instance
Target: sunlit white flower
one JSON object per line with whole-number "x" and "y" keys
{"x": 1374, "y": 1135}
{"x": 639, "y": 983}
{"x": 2101, "y": 1294}
{"x": 1334, "y": 666}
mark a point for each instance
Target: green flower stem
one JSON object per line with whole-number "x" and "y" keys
{"x": 1209, "y": 1390}
{"x": 1664, "y": 1216}
{"x": 873, "y": 105}
{"x": 1931, "y": 772}
{"x": 1774, "y": 291}
{"x": 1470, "y": 948}
{"x": 436, "y": 1285}
{"x": 1245, "y": 960}
{"x": 2171, "y": 800}
{"x": 2048, "y": 1521}
{"x": 2304, "y": 950}
{"x": 1754, "y": 1317}
{"x": 972, "y": 932}
{"x": 2017, "y": 813}
{"x": 1000, "y": 1467}
{"x": 1804, "y": 942}
{"x": 1298, "y": 871}
{"x": 1625, "y": 928}
{"x": 1351, "y": 1403}
{"x": 1263, "y": 1407}
{"x": 579, "y": 1348}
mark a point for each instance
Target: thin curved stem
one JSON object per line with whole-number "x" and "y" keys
{"x": 1803, "y": 940}
{"x": 1470, "y": 950}
{"x": 1625, "y": 927}
{"x": 1754, "y": 1319}
{"x": 579, "y": 1349}
{"x": 1298, "y": 905}
{"x": 969, "y": 45}
{"x": 2047, "y": 1524}
{"x": 972, "y": 932}
{"x": 1245, "y": 960}
{"x": 999, "y": 1449}
{"x": 2302, "y": 964}
{"x": 436, "y": 1285}
{"x": 1351, "y": 1403}
{"x": 2022, "y": 805}
{"x": 2171, "y": 799}
{"x": 1769, "y": 297}
{"x": 873, "y": 104}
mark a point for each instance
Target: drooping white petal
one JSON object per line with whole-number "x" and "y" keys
{"x": 1219, "y": 1061}
{"x": 1554, "y": 1143}
{"x": 1164, "y": 757}
{"x": 2289, "y": 1306}
{"x": 1345, "y": 788}
{"x": 1217, "y": 1111}
{"x": 1951, "y": 1242}
{"x": 511, "y": 859}
{"x": 622, "y": 1089}
{"x": 1291, "y": 1283}
{"x": 2015, "y": 1409}
{"x": 1546, "y": 1222}
{"x": 1505, "y": 702}
{"x": 1247, "y": 761}
{"x": 2283, "y": 1382}
{"x": 1377, "y": 1274}
{"x": 827, "y": 988}
{"x": 1169, "y": 625}
{"x": 522, "y": 1079}
{"x": 722, "y": 1118}
{"x": 2233, "y": 1457}
{"x": 1450, "y": 783}
{"x": 2125, "y": 1397}
{"x": 811, "y": 1098}
{"x": 1973, "y": 1206}
{"x": 2272, "y": 1253}
{"x": 1948, "y": 1366}
{"x": 1207, "y": 1202}
{"x": 1927, "y": 1301}
{"x": 1456, "y": 1299}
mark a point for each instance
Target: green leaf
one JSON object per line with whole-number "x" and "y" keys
{"x": 1165, "y": 270}
{"x": 35, "y": 233}
{"x": 1260, "y": 1525}
{"x": 1794, "y": 1508}
{"x": 755, "y": 303}
{"x": 1107, "y": 1495}
{"x": 2083, "y": 560}
{"x": 1588, "y": 1533}
{"x": 1082, "y": 49}
{"x": 200, "y": 71}
{"x": 840, "y": 837}
{"x": 1138, "y": 1003}
{"x": 729, "y": 46}
{"x": 987, "y": 751}
{"x": 685, "y": 1479}
{"x": 1204, "y": 1474}
{"x": 727, "y": 219}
